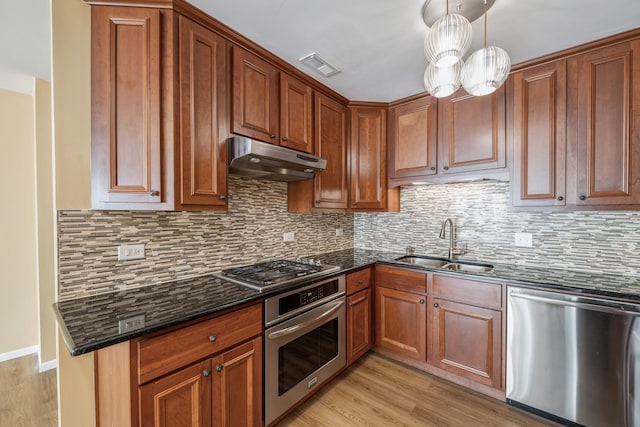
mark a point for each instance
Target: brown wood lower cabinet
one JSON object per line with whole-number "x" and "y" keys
{"x": 358, "y": 325}
{"x": 453, "y": 328}
{"x": 180, "y": 399}
{"x": 466, "y": 341}
{"x": 401, "y": 323}
{"x": 172, "y": 379}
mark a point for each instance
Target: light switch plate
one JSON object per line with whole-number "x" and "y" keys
{"x": 339, "y": 232}
{"x": 524, "y": 240}
{"x": 289, "y": 237}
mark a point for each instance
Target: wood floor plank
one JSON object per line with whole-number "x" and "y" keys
{"x": 28, "y": 397}
{"x": 376, "y": 391}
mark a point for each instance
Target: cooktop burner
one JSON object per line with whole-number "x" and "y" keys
{"x": 266, "y": 275}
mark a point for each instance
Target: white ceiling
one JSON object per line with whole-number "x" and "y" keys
{"x": 25, "y": 40}
{"x": 378, "y": 43}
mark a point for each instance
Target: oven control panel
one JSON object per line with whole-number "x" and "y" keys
{"x": 307, "y": 296}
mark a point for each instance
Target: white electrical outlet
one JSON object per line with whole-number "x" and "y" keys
{"x": 127, "y": 252}
{"x": 524, "y": 240}
{"x": 289, "y": 237}
{"x": 339, "y": 232}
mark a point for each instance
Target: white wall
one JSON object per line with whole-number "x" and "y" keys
{"x": 18, "y": 251}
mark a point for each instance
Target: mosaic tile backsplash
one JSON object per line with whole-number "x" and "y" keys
{"x": 180, "y": 245}
{"x": 596, "y": 242}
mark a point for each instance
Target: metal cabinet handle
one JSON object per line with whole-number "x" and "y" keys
{"x": 273, "y": 135}
{"x": 436, "y": 305}
{"x": 446, "y": 168}
{"x": 360, "y": 281}
{"x": 560, "y": 198}
{"x": 317, "y": 202}
{"x": 583, "y": 197}
{"x": 219, "y": 368}
{"x": 433, "y": 168}
{"x": 206, "y": 372}
{"x": 223, "y": 197}
{"x": 212, "y": 338}
{"x": 284, "y": 138}
{"x": 154, "y": 193}
{"x": 421, "y": 301}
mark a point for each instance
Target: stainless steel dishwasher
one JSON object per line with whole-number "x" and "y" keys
{"x": 573, "y": 358}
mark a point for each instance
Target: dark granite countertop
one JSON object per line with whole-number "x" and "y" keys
{"x": 91, "y": 323}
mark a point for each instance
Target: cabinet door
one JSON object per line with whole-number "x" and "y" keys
{"x": 401, "y": 323}
{"x": 203, "y": 116}
{"x": 182, "y": 399}
{"x": 255, "y": 97}
{"x": 413, "y": 133}
{"x": 358, "y": 325}
{"x": 330, "y": 187}
{"x": 237, "y": 386}
{"x": 368, "y": 158}
{"x": 296, "y": 119}
{"x": 608, "y": 125}
{"x": 466, "y": 341}
{"x": 539, "y": 136}
{"x": 471, "y": 132}
{"x": 125, "y": 114}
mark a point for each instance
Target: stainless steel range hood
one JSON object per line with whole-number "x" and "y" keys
{"x": 260, "y": 160}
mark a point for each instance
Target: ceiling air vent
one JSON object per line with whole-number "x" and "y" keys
{"x": 319, "y": 65}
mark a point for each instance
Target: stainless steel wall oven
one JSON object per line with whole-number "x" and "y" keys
{"x": 305, "y": 342}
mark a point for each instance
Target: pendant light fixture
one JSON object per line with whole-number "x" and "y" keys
{"x": 486, "y": 69}
{"x": 445, "y": 45}
{"x": 448, "y": 40}
{"x": 443, "y": 81}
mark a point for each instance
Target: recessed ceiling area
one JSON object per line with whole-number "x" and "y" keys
{"x": 378, "y": 44}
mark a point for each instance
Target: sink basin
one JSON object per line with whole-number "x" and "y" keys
{"x": 471, "y": 267}
{"x": 425, "y": 261}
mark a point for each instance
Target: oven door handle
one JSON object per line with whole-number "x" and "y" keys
{"x": 294, "y": 328}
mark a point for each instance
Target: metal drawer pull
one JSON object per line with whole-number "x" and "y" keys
{"x": 219, "y": 368}
{"x": 212, "y": 338}
{"x": 360, "y": 281}
{"x": 292, "y": 329}
{"x": 206, "y": 372}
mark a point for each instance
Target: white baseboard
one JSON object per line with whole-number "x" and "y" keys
{"x": 18, "y": 353}
{"x": 48, "y": 365}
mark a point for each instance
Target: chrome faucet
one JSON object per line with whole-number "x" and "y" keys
{"x": 453, "y": 251}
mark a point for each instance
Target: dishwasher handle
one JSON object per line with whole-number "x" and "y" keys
{"x": 590, "y": 304}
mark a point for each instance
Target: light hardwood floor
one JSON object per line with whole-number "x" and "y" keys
{"x": 27, "y": 398}
{"x": 376, "y": 391}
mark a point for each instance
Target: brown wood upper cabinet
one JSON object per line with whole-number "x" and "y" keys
{"x": 203, "y": 118}
{"x": 461, "y": 136}
{"x": 368, "y": 150}
{"x": 413, "y": 130}
{"x": 296, "y": 114}
{"x": 472, "y": 132}
{"x": 604, "y": 87}
{"x": 270, "y": 105}
{"x": 576, "y": 131}
{"x": 149, "y": 151}
{"x": 539, "y": 135}
{"x": 328, "y": 190}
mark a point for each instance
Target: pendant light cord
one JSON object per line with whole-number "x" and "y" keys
{"x": 485, "y": 23}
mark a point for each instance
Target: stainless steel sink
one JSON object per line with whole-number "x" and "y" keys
{"x": 445, "y": 264}
{"x": 471, "y": 267}
{"x": 423, "y": 260}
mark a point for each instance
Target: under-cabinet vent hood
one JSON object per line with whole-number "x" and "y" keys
{"x": 260, "y": 160}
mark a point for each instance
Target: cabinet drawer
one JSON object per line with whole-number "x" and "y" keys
{"x": 165, "y": 353}
{"x": 358, "y": 281}
{"x": 401, "y": 279}
{"x": 468, "y": 291}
